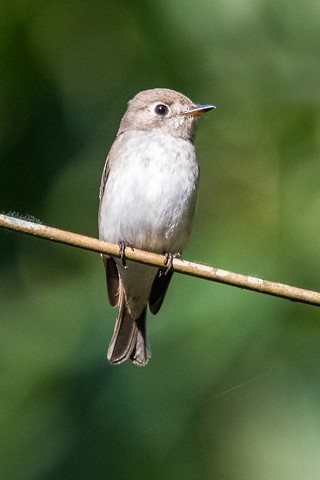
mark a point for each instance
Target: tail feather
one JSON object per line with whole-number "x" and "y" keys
{"x": 141, "y": 352}
{"x": 129, "y": 339}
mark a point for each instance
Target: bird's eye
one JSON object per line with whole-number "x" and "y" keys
{"x": 161, "y": 110}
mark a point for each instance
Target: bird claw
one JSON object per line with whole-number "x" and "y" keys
{"x": 168, "y": 261}
{"x": 122, "y": 252}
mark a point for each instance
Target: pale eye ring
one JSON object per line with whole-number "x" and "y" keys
{"x": 161, "y": 110}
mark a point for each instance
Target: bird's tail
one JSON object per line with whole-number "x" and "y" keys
{"x": 129, "y": 339}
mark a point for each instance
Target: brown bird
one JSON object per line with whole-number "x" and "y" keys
{"x": 147, "y": 200}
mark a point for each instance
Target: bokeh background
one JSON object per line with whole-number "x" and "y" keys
{"x": 233, "y": 388}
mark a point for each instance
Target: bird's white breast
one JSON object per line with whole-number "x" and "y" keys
{"x": 150, "y": 195}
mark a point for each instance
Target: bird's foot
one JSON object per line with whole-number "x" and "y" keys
{"x": 168, "y": 261}
{"x": 122, "y": 251}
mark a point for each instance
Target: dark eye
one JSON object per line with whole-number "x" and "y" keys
{"x": 161, "y": 110}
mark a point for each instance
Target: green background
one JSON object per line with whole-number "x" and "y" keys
{"x": 233, "y": 388}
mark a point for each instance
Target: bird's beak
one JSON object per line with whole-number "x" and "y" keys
{"x": 197, "y": 110}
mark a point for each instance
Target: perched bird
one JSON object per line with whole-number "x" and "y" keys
{"x": 147, "y": 200}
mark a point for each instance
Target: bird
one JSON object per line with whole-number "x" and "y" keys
{"x": 148, "y": 197}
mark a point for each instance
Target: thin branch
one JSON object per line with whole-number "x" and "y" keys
{"x": 12, "y": 222}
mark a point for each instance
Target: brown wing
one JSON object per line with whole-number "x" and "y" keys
{"x": 112, "y": 274}
{"x": 112, "y": 277}
{"x": 158, "y": 290}
{"x": 104, "y": 178}
{"x": 106, "y": 168}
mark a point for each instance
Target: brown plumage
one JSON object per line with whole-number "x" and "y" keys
{"x": 147, "y": 199}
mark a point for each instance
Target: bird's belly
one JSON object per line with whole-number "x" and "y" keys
{"x": 150, "y": 202}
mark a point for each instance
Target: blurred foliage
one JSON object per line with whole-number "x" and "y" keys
{"x": 232, "y": 391}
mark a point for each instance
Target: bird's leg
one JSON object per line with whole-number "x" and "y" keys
{"x": 122, "y": 251}
{"x": 168, "y": 261}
